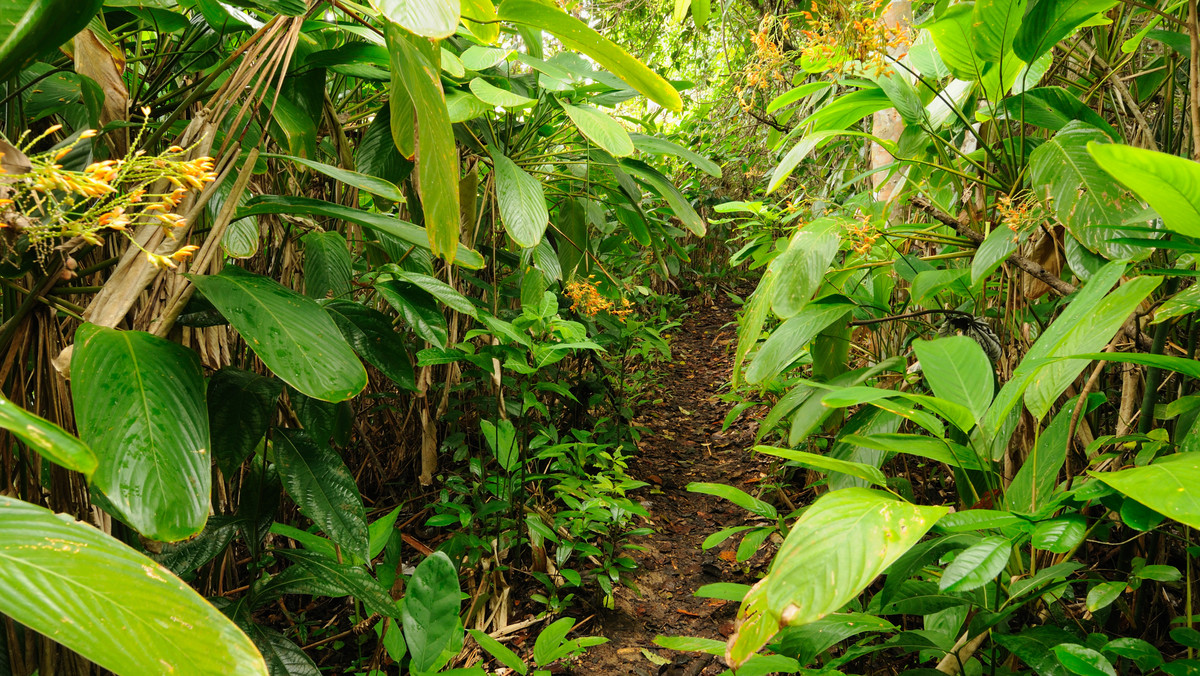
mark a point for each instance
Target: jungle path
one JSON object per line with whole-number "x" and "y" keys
{"x": 683, "y": 443}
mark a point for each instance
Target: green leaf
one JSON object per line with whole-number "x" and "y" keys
{"x": 328, "y": 267}
{"x": 735, "y": 495}
{"x": 1087, "y": 200}
{"x": 139, "y": 404}
{"x": 833, "y": 552}
{"x": 826, "y": 464}
{"x": 952, "y": 32}
{"x": 481, "y": 58}
{"x": 938, "y": 450}
{"x": 1146, "y": 656}
{"x": 418, "y": 308}
{"x": 549, "y": 645}
{"x": 1103, "y": 595}
{"x": 691, "y": 644}
{"x": 428, "y": 18}
{"x": 283, "y": 657}
{"x": 1053, "y": 108}
{"x": 576, "y": 35}
{"x": 1169, "y": 486}
{"x": 502, "y": 440}
{"x": 436, "y": 288}
{"x": 1170, "y": 184}
{"x": 29, "y": 28}
{"x": 372, "y": 336}
{"x": 47, "y": 439}
{"x": 801, "y": 268}
{"x": 240, "y": 407}
{"x": 323, "y": 488}
{"x": 522, "y": 202}
{"x": 498, "y": 650}
{"x": 600, "y": 129}
{"x": 383, "y": 223}
{"x": 805, "y": 146}
{"x": 437, "y": 154}
{"x": 663, "y": 187}
{"x": 1083, "y": 661}
{"x": 977, "y": 565}
{"x": 847, "y": 109}
{"x": 494, "y": 96}
{"x": 364, "y": 182}
{"x": 657, "y": 146}
{"x": 994, "y": 26}
{"x": 291, "y": 334}
{"x": 1049, "y": 21}
{"x": 462, "y": 106}
{"x": 381, "y": 531}
{"x": 353, "y": 578}
{"x": 958, "y": 371}
{"x": 791, "y": 338}
{"x": 430, "y": 611}
{"x": 1060, "y": 535}
{"x": 101, "y": 599}
{"x": 795, "y": 94}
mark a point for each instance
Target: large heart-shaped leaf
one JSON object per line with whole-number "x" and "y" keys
{"x": 292, "y": 335}
{"x": 47, "y": 439}
{"x": 574, "y": 34}
{"x": 32, "y": 27}
{"x": 1170, "y": 184}
{"x": 317, "y": 479}
{"x": 840, "y": 544}
{"x": 522, "y": 202}
{"x": 100, "y": 598}
{"x": 139, "y": 403}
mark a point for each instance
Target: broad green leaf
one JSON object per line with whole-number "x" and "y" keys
{"x": 139, "y": 404}
{"x": 384, "y": 223}
{"x": 430, "y": 611}
{"x": 571, "y": 239}
{"x": 1181, "y": 304}
{"x": 240, "y": 407}
{"x": 1104, "y": 594}
{"x": 1060, "y": 535}
{"x": 354, "y": 579}
{"x": 938, "y": 450}
{"x": 481, "y": 58}
{"x": 498, "y": 650}
{"x": 502, "y": 440}
{"x": 1033, "y": 486}
{"x": 576, "y": 35}
{"x": 328, "y": 266}
{"x": 600, "y": 129}
{"x": 291, "y": 334}
{"x": 522, "y": 202}
{"x": 428, "y": 18}
{"x": 994, "y": 250}
{"x": 436, "y": 288}
{"x": 1146, "y": 656}
{"x": 827, "y": 464}
{"x": 323, "y": 488}
{"x": 1169, "y": 184}
{"x": 1049, "y": 21}
{"x": 418, "y": 308}
{"x": 372, "y": 336}
{"x": 795, "y": 94}
{"x": 847, "y": 109}
{"x": 994, "y": 26}
{"x": 791, "y": 338}
{"x": 283, "y": 657}
{"x": 958, "y": 371}
{"x": 1053, "y": 108}
{"x": 735, "y": 495}
{"x": 657, "y": 146}
{"x": 480, "y": 18}
{"x": 952, "y": 32}
{"x": 29, "y": 28}
{"x": 1087, "y": 200}
{"x": 462, "y": 106}
{"x": 98, "y": 597}
{"x": 1083, "y": 661}
{"x": 1169, "y": 486}
{"x": 497, "y": 97}
{"x": 833, "y": 552}
{"x": 801, "y": 268}
{"x": 663, "y": 187}
{"x": 49, "y": 440}
{"x": 371, "y": 184}
{"x": 437, "y": 165}
{"x": 691, "y": 644}
{"x": 976, "y": 565}
{"x": 381, "y": 530}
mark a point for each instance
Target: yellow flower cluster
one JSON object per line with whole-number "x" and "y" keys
{"x": 586, "y": 300}
{"x": 852, "y": 38}
{"x": 861, "y": 234}
{"x": 1019, "y": 213}
{"x": 106, "y": 195}
{"x": 769, "y": 60}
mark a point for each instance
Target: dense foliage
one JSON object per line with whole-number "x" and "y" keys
{"x": 279, "y": 273}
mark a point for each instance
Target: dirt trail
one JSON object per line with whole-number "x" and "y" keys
{"x": 684, "y": 444}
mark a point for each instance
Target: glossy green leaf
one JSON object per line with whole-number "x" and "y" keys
{"x": 806, "y": 145}
{"x": 436, "y": 288}
{"x": 384, "y": 223}
{"x": 663, "y": 187}
{"x": 354, "y": 579}
{"x": 283, "y": 657}
{"x": 841, "y": 543}
{"x": 328, "y": 266}
{"x": 364, "y": 182}
{"x": 1103, "y": 595}
{"x": 735, "y": 495}
{"x": 418, "y": 308}
{"x": 29, "y": 28}
{"x": 292, "y": 335}
{"x": 1169, "y": 486}
{"x": 1060, "y": 535}
{"x": 522, "y": 202}
{"x": 952, "y": 33}
{"x": 502, "y": 440}
{"x": 372, "y": 336}
{"x": 801, "y": 268}
{"x": 574, "y": 34}
{"x": 600, "y": 129}
{"x": 791, "y": 338}
{"x": 958, "y": 371}
{"x": 1170, "y": 184}
{"x": 98, "y": 597}
{"x": 240, "y": 407}
{"x": 49, "y": 440}
{"x": 494, "y": 96}
{"x": 994, "y": 26}
{"x": 1083, "y": 661}
{"x": 480, "y": 19}
{"x": 323, "y": 488}
{"x": 437, "y": 164}
{"x": 827, "y": 464}
{"x": 657, "y": 146}
{"x": 139, "y": 404}
{"x": 976, "y": 565}
{"x": 498, "y": 650}
{"x": 462, "y": 106}
{"x": 1049, "y": 21}
{"x": 428, "y": 18}
{"x": 430, "y": 611}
